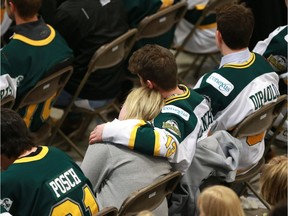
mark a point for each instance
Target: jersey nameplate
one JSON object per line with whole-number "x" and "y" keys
{"x": 220, "y": 83}
{"x": 176, "y": 110}
{"x": 64, "y": 182}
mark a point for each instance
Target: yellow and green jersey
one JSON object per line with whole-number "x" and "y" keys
{"x": 47, "y": 182}
{"x": 242, "y": 85}
{"x": 34, "y": 49}
{"x": 185, "y": 119}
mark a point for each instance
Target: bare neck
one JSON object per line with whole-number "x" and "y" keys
{"x": 20, "y": 20}
{"x": 225, "y": 50}
{"x": 33, "y": 149}
{"x": 167, "y": 94}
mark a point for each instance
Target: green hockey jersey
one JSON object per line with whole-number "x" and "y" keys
{"x": 48, "y": 182}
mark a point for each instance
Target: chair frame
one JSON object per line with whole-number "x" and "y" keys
{"x": 108, "y": 211}
{"x": 106, "y": 56}
{"x": 7, "y": 102}
{"x": 162, "y": 21}
{"x": 256, "y": 123}
{"x": 151, "y": 196}
{"x": 49, "y": 86}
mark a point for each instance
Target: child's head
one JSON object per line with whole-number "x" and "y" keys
{"x": 219, "y": 201}
{"x": 142, "y": 103}
{"x": 273, "y": 180}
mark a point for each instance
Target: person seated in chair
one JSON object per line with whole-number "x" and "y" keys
{"x": 242, "y": 84}
{"x": 39, "y": 180}
{"x": 203, "y": 39}
{"x": 86, "y": 25}
{"x": 116, "y": 171}
{"x": 274, "y": 49}
{"x": 33, "y": 50}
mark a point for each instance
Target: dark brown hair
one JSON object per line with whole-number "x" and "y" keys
{"x": 155, "y": 63}
{"x": 15, "y": 137}
{"x": 235, "y": 22}
{"x": 26, "y": 8}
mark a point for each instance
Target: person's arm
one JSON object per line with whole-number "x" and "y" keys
{"x": 135, "y": 134}
{"x": 144, "y": 138}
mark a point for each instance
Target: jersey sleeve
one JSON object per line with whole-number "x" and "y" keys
{"x": 138, "y": 135}
{"x": 143, "y": 137}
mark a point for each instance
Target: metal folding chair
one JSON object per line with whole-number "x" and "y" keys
{"x": 254, "y": 124}
{"x": 46, "y": 91}
{"x": 108, "y": 55}
{"x": 8, "y": 102}
{"x": 151, "y": 196}
{"x": 108, "y": 211}
{"x": 162, "y": 21}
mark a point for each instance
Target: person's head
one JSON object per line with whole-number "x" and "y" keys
{"x": 273, "y": 180}
{"x": 142, "y": 103}
{"x": 156, "y": 67}
{"x": 25, "y": 9}
{"x": 219, "y": 201}
{"x": 15, "y": 136}
{"x": 235, "y": 24}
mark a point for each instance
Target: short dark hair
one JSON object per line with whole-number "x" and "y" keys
{"x": 15, "y": 136}
{"x": 235, "y": 22}
{"x": 27, "y": 8}
{"x": 155, "y": 63}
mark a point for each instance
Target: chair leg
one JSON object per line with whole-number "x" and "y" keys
{"x": 262, "y": 200}
{"x": 71, "y": 143}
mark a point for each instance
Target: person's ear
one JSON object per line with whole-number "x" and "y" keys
{"x": 149, "y": 84}
{"x": 218, "y": 37}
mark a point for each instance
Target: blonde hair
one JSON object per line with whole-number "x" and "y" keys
{"x": 142, "y": 103}
{"x": 273, "y": 180}
{"x": 219, "y": 201}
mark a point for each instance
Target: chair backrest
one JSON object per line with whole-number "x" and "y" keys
{"x": 151, "y": 196}
{"x": 210, "y": 8}
{"x": 111, "y": 54}
{"x": 162, "y": 21}
{"x": 255, "y": 170}
{"x": 7, "y": 102}
{"x": 49, "y": 86}
{"x": 108, "y": 211}
{"x": 108, "y": 55}
{"x": 261, "y": 120}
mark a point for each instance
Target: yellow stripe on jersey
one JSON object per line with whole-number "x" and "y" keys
{"x": 36, "y": 42}
{"x": 133, "y": 134}
{"x": 208, "y": 26}
{"x": 245, "y": 64}
{"x": 157, "y": 143}
{"x": 30, "y": 110}
{"x": 166, "y": 3}
{"x": 39, "y": 156}
{"x": 185, "y": 95}
{"x": 200, "y": 6}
